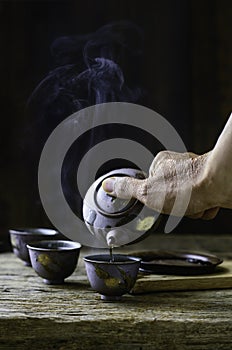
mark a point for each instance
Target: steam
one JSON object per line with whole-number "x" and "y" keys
{"x": 89, "y": 70}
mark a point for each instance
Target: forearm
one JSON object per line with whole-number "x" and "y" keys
{"x": 218, "y": 169}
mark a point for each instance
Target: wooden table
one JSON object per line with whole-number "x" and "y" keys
{"x": 72, "y": 316}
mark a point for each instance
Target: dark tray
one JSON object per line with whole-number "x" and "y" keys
{"x": 177, "y": 262}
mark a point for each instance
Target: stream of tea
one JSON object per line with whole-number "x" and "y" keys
{"x": 111, "y": 254}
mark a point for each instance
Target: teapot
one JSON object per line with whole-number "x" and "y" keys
{"x": 117, "y": 221}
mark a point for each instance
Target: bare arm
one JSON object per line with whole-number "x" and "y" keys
{"x": 218, "y": 168}
{"x": 208, "y": 177}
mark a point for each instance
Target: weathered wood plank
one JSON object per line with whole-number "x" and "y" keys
{"x": 37, "y": 316}
{"x": 220, "y": 279}
{"x": 156, "y": 334}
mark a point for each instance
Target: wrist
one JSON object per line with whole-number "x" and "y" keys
{"x": 217, "y": 179}
{"x": 205, "y": 190}
{"x": 210, "y": 184}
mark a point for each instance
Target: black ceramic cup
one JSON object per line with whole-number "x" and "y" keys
{"x": 112, "y": 279}
{"x": 54, "y": 260}
{"x": 20, "y": 237}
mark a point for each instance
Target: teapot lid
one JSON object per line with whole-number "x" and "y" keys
{"x": 109, "y": 205}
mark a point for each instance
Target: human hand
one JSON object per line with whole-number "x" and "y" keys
{"x": 170, "y": 174}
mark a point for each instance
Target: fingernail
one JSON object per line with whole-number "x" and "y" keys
{"x": 108, "y": 185}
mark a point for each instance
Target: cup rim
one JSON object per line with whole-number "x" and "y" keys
{"x": 96, "y": 258}
{"x": 38, "y": 246}
{"x": 37, "y": 231}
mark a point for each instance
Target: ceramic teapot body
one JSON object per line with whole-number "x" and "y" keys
{"x": 113, "y": 220}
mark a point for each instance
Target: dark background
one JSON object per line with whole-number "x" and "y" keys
{"x": 185, "y": 70}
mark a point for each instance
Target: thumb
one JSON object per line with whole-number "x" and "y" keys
{"x": 124, "y": 187}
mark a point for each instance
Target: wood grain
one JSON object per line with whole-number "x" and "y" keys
{"x": 221, "y": 279}
{"x": 37, "y": 316}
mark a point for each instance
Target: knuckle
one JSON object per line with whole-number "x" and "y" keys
{"x": 163, "y": 155}
{"x": 158, "y": 161}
